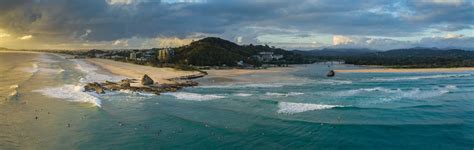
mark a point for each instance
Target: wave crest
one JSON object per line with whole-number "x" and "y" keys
{"x": 422, "y": 77}
{"x": 194, "y": 96}
{"x": 72, "y": 93}
{"x": 284, "y": 94}
{"x": 292, "y": 108}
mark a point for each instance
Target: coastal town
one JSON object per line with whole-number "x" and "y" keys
{"x": 152, "y": 59}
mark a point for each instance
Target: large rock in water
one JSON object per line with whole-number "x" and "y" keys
{"x": 331, "y": 73}
{"x": 146, "y": 80}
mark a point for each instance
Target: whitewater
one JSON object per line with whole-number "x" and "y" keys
{"x": 43, "y": 105}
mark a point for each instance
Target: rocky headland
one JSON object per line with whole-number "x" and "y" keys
{"x": 146, "y": 85}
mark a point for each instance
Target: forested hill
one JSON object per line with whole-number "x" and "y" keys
{"x": 214, "y": 51}
{"x": 414, "y": 58}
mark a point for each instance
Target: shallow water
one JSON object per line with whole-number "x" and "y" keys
{"x": 296, "y": 110}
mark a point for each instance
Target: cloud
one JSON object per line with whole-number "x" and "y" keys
{"x": 55, "y": 22}
{"x": 340, "y": 41}
{"x": 445, "y": 2}
{"x": 26, "y": 37}
{"x": 120, "y": 2}
{"x": 3, "y": 35}
{"x": 86, "y": 33}
{"x": 123, "y": 43}
{"x": 448, "y": 41}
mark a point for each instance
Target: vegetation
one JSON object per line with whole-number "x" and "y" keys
{"x": 408, "y": 58}
{"x": 217, "y": 52}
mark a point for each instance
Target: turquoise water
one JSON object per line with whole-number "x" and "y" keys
{"x": 296, "y": 110}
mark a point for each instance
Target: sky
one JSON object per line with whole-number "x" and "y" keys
{"x": 288, "y": 24}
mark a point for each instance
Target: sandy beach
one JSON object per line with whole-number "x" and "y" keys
{"x": 391, "y": 70}
{"x": 135, "y": 71}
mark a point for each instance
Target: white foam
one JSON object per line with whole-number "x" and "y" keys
{"x": 387, "y": 95}
{"x": 47, "y": 58}
{"x": 292, "y": 108}
{"x": 14, "y": 93}
{"x": 256, "y": 85}
{"x": 424, "y": 94}
{"x": 72, "y": 93}
{"x": 137, "y": 93}
{"x": 284, "y": 94}
{"x": 92, "y": 75}
{"x": 194, "y": 96}
{"x": 334, "y": 82}
{"x": 32, "y": 69}
{"x": 51, "y": 70}
{"x": 14, "y": 86}
{"x": 422, "y": 77}
{"x": 361, "y": 90}
{"x": 243, "y": 94}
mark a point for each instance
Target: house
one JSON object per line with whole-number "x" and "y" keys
{"x": 268, "y": 56}
{"x": 165, "y": 55}
{"x": 133, "y": 56}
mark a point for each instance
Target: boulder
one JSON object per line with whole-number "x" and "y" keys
{"x": 146, "y": 80}
{"x": 94, "y": 87}
{"x": 124, "y": 83}
{"x": 99, "y": 90}
{"x": 331, "y": 73}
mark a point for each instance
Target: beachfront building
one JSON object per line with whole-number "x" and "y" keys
{"x": 133, "y": 56}
{"x": 165, "y": 55}
{"x": 268, "y": 56}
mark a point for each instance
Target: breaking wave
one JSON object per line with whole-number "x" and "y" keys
{"x": 72, "y": 93}
{"x": 284, "y": 94}
{"x": 32, "y": 69}
{"x": 395, "y": 94}
{"x": 137, "y": 93}
{"x": 194, "y": 96}
{"x": 91, "y": 74}
{"x": 359, "y": 91}
{"x": 257, "y": 85}
{"x": 334, "y": 82}
{"x": 292, "y": 108}
{"x": 422, "y": 77}
{"x": 243, "y": 94}
{"x": 47, "y": 58}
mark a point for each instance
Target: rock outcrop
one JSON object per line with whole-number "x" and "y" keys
{"x": 149, "y": 86}
{"x": 146, "y": 80}
{"x": 331, "y": 73}
{"x": 94, "y": 87}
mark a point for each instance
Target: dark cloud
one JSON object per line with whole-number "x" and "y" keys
{"x": 60, "y": 20}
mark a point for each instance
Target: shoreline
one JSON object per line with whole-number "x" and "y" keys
{"x": 408, "y": 70}
{"x": 163, "y": 79}
{"x": 134, "y": 71}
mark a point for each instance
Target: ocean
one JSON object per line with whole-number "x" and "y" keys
{"x": 42, "y": 106}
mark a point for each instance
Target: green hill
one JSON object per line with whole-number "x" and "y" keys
{"x": 214, "y": 51}
{"x": 414, "y": 58}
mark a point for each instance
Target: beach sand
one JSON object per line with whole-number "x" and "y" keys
{"x": 235, "y": 75}
{"x": 135, "y": 71}
{"x": 161, "y": 75}
{"x": 391, "y": 70}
